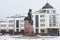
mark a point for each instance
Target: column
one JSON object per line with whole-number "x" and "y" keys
{"x": 34, "y": 23}
{"x": 45, "y": 30}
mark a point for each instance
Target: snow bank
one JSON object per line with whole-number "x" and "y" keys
{"x": 18, "y": 37}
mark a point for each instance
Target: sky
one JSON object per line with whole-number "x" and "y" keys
{"x": 12, "y": 7}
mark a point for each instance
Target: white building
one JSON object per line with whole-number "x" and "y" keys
{"x": 13, "y": 24}
{"x": 46, "y": 20}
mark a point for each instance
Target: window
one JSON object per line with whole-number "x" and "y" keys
{"x": 50, "y": 25}
{"x": 21, "y": 25}
{"x": 36, "y": 21}
{"x": 52, "y": 20}
{"x": 54, "y": 11}
{"x": 3, "y": 25}
{"x": 17, "y": 23}
{"x": 42, "y": 20}
{"x": 36, "y": 31}
{"x": 54, "y": 24}
{"x": 43, "y": 11}
{"x": 3, "y": 31}
{"x": 10, "y": 21}
{"x": 42, "y": 15}
{"x": 17, "y": 30}
{"x": 47, "y": 11}
{"x": 11, "y": 31}
{"x": 21, "y": 20}
{"x": 42, "y": 30}
{"x": 11, "y": 25}
{"x": 42, "y": 25}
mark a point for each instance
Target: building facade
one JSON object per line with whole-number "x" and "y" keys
{"x": 46, "y": 20}
{"x": 13, "y": 24}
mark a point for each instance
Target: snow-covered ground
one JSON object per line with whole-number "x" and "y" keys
{"x": 21, "y": 37}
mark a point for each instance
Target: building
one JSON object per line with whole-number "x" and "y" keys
{"x": 13, "y": 24}
{"x": 45, "y": 21}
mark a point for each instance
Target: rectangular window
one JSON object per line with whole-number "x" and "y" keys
{"x": 3, "y": 31}
{"x": 42, "y": 20}
{"x": 36, "y": 21}
{"x": 43, "y": 11}
{"x": 21, "y": 25}
{"x": 50, "y": 25}
{"x": 10, "y": 21}
{"x": 42, "y": 25}
{"x": 36, "y": 31}
{"x": 47, "y": 11}
{"x": 3, "y": 25}
{"x": 42, "y": 16}
{"x": 17, "y": 23}
{"x": 11, "y": 25}
{"x": 54, "y": 24}
{"x": 52, "y": 20}
{"x": 42, "y": 30}
{"x": 22, "y": 20}
{"x": 54, "y": 11}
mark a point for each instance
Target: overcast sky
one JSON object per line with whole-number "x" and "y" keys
{"x": 12, "y": 7}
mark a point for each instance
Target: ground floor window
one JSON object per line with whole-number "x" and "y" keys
{"x": 53, "y": 32}
{"x": 42, "y": 30}
{"x": 37, "y": 31}
{"x": 17, "y": 30}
